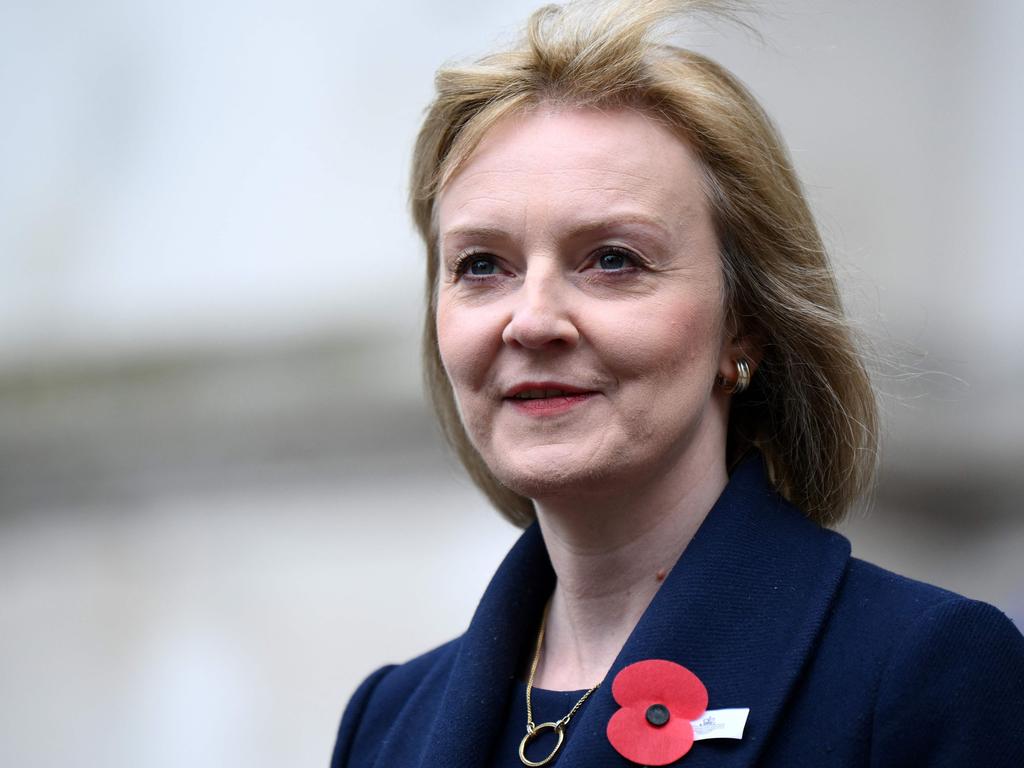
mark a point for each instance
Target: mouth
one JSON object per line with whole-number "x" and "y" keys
{"x": 540, "y": 394}
{"x": 547, "y": 398}
{"x": 540, "y": 390}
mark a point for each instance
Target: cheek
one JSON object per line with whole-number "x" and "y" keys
{"x": 464, "y": 348}
{"x": 449, "y": 345}
{"x": 677, "y": 343}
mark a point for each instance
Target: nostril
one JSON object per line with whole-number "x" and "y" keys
{"x": 541, "y": 315}
{"x": 535, "y": 330}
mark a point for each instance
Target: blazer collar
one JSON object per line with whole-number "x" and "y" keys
{"x": 742, "y": 609}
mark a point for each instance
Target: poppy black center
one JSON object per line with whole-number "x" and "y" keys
{"x": 657, "y": 715}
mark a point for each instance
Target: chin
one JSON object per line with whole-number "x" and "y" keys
{"x": 544, "y": 474}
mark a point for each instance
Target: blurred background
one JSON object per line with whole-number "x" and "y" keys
{"x": 222, "y": 499}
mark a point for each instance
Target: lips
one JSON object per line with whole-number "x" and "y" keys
{"x": 544, "y": 389}
{"x": 537, "y": 394}
{"x": 541, "y": 399}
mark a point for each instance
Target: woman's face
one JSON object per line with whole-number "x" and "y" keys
{"x": 580, "y": 303}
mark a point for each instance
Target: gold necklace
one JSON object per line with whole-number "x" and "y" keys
{"x": 532, "y": 730}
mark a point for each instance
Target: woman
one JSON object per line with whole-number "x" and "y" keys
{"x": 635, "y": 344}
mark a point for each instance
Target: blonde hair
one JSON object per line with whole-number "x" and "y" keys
{"x": 810, "y": 409}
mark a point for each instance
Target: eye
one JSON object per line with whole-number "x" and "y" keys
{"x": 480, "y": 266}
{"x": 475, "y": 265}
{"x": 615, "y": 260}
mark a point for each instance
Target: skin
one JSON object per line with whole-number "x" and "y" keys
{"x": 578, "y": 248}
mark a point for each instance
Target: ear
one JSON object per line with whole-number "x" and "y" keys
{"x": 739, "y": 343}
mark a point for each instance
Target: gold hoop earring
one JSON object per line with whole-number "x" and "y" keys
{"x": 742, "y": 378}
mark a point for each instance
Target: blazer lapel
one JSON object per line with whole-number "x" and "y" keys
{"x": 474, "y": 702}
{"x": 742, "y": 609}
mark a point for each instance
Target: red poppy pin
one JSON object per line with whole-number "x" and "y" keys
{"x": 658, "y": 699}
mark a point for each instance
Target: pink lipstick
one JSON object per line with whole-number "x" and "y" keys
{"x": 546, "y": 398}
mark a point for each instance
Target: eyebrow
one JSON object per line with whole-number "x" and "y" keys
{"x": 611, "y": 223}
{"x": 578, "y": 230}
{"x": 475, "y": 233}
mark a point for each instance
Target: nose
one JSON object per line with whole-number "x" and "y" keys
{"x": 540, "y": 316}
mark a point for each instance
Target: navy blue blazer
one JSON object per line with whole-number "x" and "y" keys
{"x": 840, "y": 662}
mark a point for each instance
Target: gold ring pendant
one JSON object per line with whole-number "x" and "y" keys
{"x": 557, "y": 728}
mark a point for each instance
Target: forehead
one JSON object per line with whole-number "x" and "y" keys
{"x": 553, "y": 165}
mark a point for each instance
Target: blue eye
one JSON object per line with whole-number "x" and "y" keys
{"x": 614, "y": 260}
{"x": 475, "y": 265}
{"x": 481, "y": 267}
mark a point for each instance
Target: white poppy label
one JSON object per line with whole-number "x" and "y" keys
{"x": 720, "y": 724}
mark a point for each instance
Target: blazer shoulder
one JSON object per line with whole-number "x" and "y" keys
{"x": 353, "y": 716}
{"x": 890, "y": 610}
{"x": 952, "y": 692}
{"x": 373, "y": 707}
{"x": 872, "y": 608}
{"x": 873, "y": 587}
{"x": 947, "y": 671}
{"x": 402, "y": 679}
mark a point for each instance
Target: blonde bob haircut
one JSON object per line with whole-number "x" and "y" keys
{"x": 810, "y": 409}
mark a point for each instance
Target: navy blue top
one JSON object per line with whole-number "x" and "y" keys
{"x": 842, "y": 664}
{"x": 548, "y": 706}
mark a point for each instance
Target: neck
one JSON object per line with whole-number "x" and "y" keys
{"x": 610, "y": 554}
